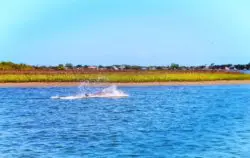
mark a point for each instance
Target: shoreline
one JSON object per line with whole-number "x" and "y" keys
{"x": 74, "y": 84}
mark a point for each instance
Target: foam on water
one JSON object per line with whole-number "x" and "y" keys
{"x": 87, "y": 92}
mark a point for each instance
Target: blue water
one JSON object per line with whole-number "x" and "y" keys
{"x": 245, "y": 71}
{"x": 158, "y": 121}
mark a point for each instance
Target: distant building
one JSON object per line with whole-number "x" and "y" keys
{"x": 144, "y": 68}
{"x": 103, "y": 68}
{"x": 206, "y": 67}
{"x": 92, "y": 67}
{"x": 233, "y": 68}
{"x": 115, "y": 68}
{"x": 122, "y": 67}
{"x": 165, "y": 68}
{"x": 152, "y": 68}
{"x": 227, "y": 68}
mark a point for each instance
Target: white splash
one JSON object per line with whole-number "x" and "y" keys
{"x": 85, "y": 92}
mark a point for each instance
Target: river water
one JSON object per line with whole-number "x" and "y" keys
{"x": 154, "y": 121}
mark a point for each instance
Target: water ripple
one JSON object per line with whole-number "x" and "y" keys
{"x": 160, "y": 121}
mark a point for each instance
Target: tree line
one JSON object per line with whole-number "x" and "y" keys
{"x": 173, "y": 66}
{"x": 13, "y": 66}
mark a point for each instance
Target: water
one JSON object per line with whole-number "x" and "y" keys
{"x": 95, "y": 92}
{"x": 245, "y": 71}
{"x": 157, "y": 121}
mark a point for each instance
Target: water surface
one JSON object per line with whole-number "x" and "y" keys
{"x": 157, "y": 121}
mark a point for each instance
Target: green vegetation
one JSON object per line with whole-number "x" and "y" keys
{"x": 60, "y": 67}
{"x": 11, "y": 72}
{"x": 174, "y": 66}
{"x": 123, "y": 77}
{"x": 13, "y": 66}
{"x": 9, "y": 66}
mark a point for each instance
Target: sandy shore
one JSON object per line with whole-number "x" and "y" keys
{"x": 72, "y": 84}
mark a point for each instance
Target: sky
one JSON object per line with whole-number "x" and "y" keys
{"x": 137, "y": 32}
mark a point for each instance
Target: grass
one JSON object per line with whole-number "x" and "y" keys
{"x": 122, "y": 77}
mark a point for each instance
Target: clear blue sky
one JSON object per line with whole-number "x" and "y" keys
{"x": 143, "y": 32}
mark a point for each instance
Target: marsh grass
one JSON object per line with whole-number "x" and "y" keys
{"x": 122, "y": 77}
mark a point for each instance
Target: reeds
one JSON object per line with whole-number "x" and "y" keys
{"x": 122, "y": 77}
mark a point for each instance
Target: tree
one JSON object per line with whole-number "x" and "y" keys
{"x": 13, "y": 66}
{"x": 174, "y": 66}
{"x": 69, "y": 66}
{"x": 248, "y": 66}
{"x": 60, "y": 67}
{"x": 211, "y": 66}
{"x": 78, "y": 66}
{"x": 159, "y": 67}
{"x": 127, "y": 67}
{"x": 135, "y": 67}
